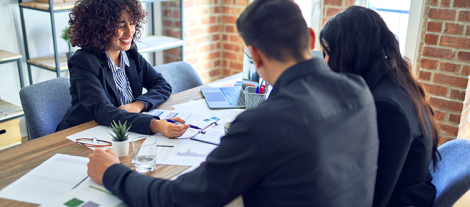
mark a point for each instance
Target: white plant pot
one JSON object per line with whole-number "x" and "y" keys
{"x": 121, "y": 148}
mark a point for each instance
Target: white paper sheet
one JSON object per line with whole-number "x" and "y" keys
{"x": 87, "y": 194}
{"x": 51, "y": 179}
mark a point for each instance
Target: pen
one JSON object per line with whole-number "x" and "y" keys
{"x": 175, "y": 122}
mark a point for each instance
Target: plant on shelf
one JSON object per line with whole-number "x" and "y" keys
{"x": 120, "y": 138}
{"x": 65, "y": 36}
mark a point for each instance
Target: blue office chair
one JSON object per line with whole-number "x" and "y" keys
{"x": 452, "y": 176}
{"x": 44, "y": 105}
{"x": 180, "y": 75}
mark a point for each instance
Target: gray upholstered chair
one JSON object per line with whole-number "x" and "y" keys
{"x": 452, "y": 177}
{"x": 180, "y": 75}
{"x": 44, "y": 105}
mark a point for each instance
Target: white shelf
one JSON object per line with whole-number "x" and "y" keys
{"x": 158, "y": 43}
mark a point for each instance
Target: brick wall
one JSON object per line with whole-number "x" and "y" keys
{"x": 332, "y": 7}
{"x": 171, "y": 26}
{"x": 445, "y": 63}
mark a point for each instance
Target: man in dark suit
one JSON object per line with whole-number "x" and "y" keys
{"x": 312, "y": 143}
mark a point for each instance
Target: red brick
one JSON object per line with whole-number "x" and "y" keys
{"x": 232, "y": 47}
{"x": 435, "y": 89}
{"x": 214, "y": 55}
{"x": 333, "y": 2}
{"x": 445, "y": 3}
{"x": 203, "y": 39}
{"x": 167, "y": 13}
{"x": 229, "y": 28}
{"x": 226, "y": 73}
{"x": 349, "y": 3}
{"x": 236, "y": 38}
{"x": 439, "y": 53}
{"x": 456, "y": 42}
{"x": 216, "y": 37}
{"x": 448, "y": 129}
{"x": 243, "y": 2}
{"x": 465, "y": 70}
{"x": 332, "y": 11}
{"x": 429, "y": 64}
{"x": 167, "y": 23}
{"x": 217, "y": 10}
{"x": 462, "y": 3}
{"x": 168, "y": 59}
{"x": 449, "y": 67}
{"x": 224, "y": 37}
{"x": 236, "y": 65}
{"x": 176, "y": 14}
{"x": 468, "y": 30}
{"x": 178, "y": 24}
{"x": 225, "y": 63}
{"x": 204, "y": 48}
{"x": 212, "y": 29}
{"x": 434, "y": 2}
{"x": 444, "y": 14}
{"x": 446, "y": 104}
{"x": 229, "y": 19}
{"x": 464, "y": 16}
{"x": 426, "y": 76}
{"x": 431, "y": 39}
{"x": 453, "y": 28}
{"x": 229, "y": 55}
{"x": 215, "y": 72}
{"x": 435, "y": 26}
{"x": 217, "y": 63}
{"x": 456, "y": 94}
{"x": 439, "y": 115}
{"x": 464, "y": 56}
{"x": 454, "y": 118}
{"x": 451, "y": 80}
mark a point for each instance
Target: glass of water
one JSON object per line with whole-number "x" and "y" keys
{"x": 145, "y": 154}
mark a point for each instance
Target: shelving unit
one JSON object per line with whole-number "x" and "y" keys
{"x": 57, "y": 62}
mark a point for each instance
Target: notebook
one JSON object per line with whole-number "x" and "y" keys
{"x": 224, "y": 97}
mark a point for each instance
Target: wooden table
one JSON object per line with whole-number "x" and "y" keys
{"x": 19, "y": 160}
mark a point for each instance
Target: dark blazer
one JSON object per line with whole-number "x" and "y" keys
{"x": 403, "y": 177}
{"x": 95, "y": 96}
{"x": 312, "y": 143}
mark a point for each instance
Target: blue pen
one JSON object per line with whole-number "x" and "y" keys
{"x": 175, "y": 122}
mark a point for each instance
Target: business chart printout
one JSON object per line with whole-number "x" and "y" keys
{"x": 49, "y": 180}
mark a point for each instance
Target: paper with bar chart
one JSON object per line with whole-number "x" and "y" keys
{"x": 49, "y": 180}
{"x": 87, "y": 194}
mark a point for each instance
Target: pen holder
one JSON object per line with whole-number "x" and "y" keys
{"x": 253, "y": 99}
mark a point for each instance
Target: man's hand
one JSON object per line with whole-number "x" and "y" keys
{"x": 134, "y": 107}
{"x": 168, "y": 129}
{"x": 100, "y": 161}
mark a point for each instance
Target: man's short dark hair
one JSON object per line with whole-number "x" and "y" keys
{"x": 276, "y": 27}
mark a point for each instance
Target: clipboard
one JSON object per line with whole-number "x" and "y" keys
{"x": 201, "y": 134}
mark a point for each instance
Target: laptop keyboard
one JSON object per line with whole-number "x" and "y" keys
{"x": 234, "y": 95}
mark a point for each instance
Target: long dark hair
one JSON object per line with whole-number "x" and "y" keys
{"x": 357, "y": 40}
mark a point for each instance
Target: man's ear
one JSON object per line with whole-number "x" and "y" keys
{"x": 256, "y": 56}
{"x": 312, "y": 38}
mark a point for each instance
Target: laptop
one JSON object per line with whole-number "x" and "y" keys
{"x": 224, "y": 97}
{"x": 232, "y": 97}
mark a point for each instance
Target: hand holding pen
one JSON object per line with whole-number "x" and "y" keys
{"x": 179, "y": 123}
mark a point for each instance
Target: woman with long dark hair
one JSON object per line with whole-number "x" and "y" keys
{"x": 358, "y": 41}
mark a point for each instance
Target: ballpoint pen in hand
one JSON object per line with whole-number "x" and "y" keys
{"x": 176, "y": 122}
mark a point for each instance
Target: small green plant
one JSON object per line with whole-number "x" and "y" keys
{"x": 65, "y": 36}
{"x": 120, "y": 131}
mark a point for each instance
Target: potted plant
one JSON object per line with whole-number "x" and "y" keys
{"x": 120, "y": 138}
{"x": 65, "y": 36}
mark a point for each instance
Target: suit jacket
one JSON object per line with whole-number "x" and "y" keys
{"x": 95, "y": 96}
{"x": 403, "y": 177}
{"x": 312, "y": 143}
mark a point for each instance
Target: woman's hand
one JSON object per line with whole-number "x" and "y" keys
{"x": 168, "y": 129}
{"x": 134, "y": 107}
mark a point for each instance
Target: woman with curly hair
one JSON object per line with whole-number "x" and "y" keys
{"x": 107, "y": 75}
{"x": 358, "y": 41}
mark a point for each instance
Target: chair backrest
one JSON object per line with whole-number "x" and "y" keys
{"x": 452, "y": 176}
{"x": 180, "y": 75}
{"x": 44, "y": 105}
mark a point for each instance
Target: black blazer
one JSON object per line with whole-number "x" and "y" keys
{"x": 403, "y": 177}
{"x": 312, "y": 143}
{"x": 95, "y": 96}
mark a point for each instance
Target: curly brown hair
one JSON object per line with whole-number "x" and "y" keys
{"x": 94, "y": 22}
